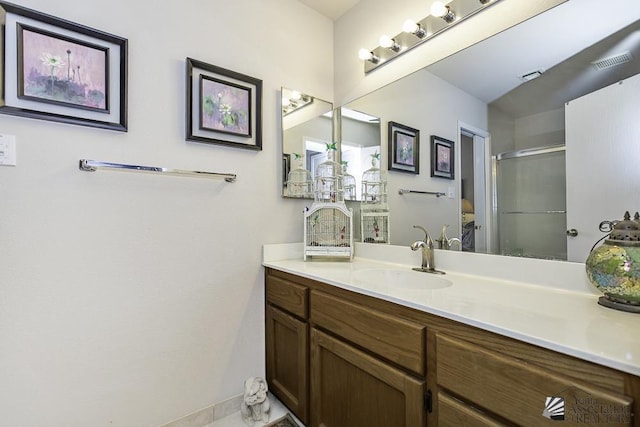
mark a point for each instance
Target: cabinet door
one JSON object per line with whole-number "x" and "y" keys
{"x": 351, "y": 388}
{"x": 288, "y": 360}
{"x": 521, "y": 392}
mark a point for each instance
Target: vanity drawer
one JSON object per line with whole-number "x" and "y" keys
{"x": 516, "y": 390}
{"x": 287, "y": 295}
{"x": 398, "y": 340}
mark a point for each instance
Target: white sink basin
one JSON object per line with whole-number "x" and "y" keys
{"x": 388, "y": 279}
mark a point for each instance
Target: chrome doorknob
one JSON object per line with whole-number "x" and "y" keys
{"x": 573, "y": 232}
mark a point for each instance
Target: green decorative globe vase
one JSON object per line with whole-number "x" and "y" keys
{"x": 614, "y": 266}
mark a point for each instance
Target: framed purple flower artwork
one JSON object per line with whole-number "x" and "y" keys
{"x": 223, "y": 106}
{"x": 442, "y": 165}
{"x": 404, "y": 148}
{"x": 61, "y": 71}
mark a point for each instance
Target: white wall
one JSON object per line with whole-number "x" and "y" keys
{"x": 539, "y": 130}
{"x": 133, "y": 299}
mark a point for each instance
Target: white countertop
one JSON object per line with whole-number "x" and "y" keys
{"x": 558, "y": 311}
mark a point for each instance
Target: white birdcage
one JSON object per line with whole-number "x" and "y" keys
{"x": 328, "y": 184}
{"x": 374, "y": 225}
{"x": 374, "y": 185}
{"x": 349, "y": 183}
{"x": 328, "y": 231}
{"x": 374, "y": 210}
{"x": 299, "y": 183}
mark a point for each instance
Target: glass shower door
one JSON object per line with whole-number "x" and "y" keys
{"x": 530, "y": 195}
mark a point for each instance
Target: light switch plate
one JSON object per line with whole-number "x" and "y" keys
{"x": 451, "y": 192}
{"x": 7, "y": 150}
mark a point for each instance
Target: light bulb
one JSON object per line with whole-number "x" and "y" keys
{"x": 438, "y": 9}
{"x": 386, "y": 41}
{"x": 365, "y": 54}
{"x": 410, "y": 26}
{"x": 296, "y": 95}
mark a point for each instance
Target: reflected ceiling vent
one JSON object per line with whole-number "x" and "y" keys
{"x": 530, "y": 76}
{"x": 612, "y": 61}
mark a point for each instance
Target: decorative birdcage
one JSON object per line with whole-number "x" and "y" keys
{"x": 328, "y": 224}
{"x": 328, "y": 231}
{"x": 349, "y": 183}
{"x": 328, "y": 184}
{"x": 299, "y": 183}
{"x": 374, "y": 225}
{"x": 374, "y": 209}
{"x": 374, "y": 184}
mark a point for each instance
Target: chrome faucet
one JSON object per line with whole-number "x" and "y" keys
{"x": 444, "y": 242}
{"x": 428, "y": 262}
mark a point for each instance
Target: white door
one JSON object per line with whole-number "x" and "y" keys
{"x": 480, "y": 192}
{"x": 481, "y": 185}
{"x": 603, "y": 145}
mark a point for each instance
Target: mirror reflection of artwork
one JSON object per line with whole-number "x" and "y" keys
{"x": 226, "y": 106}
{"x": 61, "y": 70}
{"x": 404, "y": 148}
{"x": 441, "y": 157}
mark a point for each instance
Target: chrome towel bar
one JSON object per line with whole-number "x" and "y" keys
{"x": 434, "y": 193}
{"x": 93, "y": 165}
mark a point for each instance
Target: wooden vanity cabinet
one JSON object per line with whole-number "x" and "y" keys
{"x": 483, "y": 379}
{"x": 350, "y": 387}
{"x": 342, "y": 359}
{"x": 367, "y": 366}
{"x": 287, "y": 344}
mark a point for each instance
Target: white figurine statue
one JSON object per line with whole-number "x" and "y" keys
{"x": 255, "y": 405}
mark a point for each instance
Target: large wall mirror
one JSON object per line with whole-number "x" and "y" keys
{"x": 308, "y": 126}
{"x": 513, "y": 104}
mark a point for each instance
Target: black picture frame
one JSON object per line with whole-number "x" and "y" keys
{"x": 94, "y": 94}
{"x": 222, "y": 106}
{"x": 403, "y": 148}
{"x": 442, "y": 158}
{"x": 286, "y": 168}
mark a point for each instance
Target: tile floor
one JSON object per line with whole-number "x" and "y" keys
{"x": 235, "y": 419}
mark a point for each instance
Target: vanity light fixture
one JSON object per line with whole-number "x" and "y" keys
{"x": 389, "y": 43}
{"x": 293, "y": 100}
{"x": 444, "y": 14}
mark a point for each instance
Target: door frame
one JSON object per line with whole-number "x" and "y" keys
{"x": 485, "y": 158}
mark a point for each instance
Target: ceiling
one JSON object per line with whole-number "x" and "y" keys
{"x": 562, "y": 42}
{"x": 332, "y": 9}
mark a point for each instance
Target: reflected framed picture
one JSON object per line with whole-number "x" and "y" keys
{"x": 62, "y": 71}
{"x": 286, "y": 168}
{"x": 223, "y": 106}
{"x": 442, "y": 157}
{"x": 404, "y": 148}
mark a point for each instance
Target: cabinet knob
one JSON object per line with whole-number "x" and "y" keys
{"x": 573, "y": 232}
